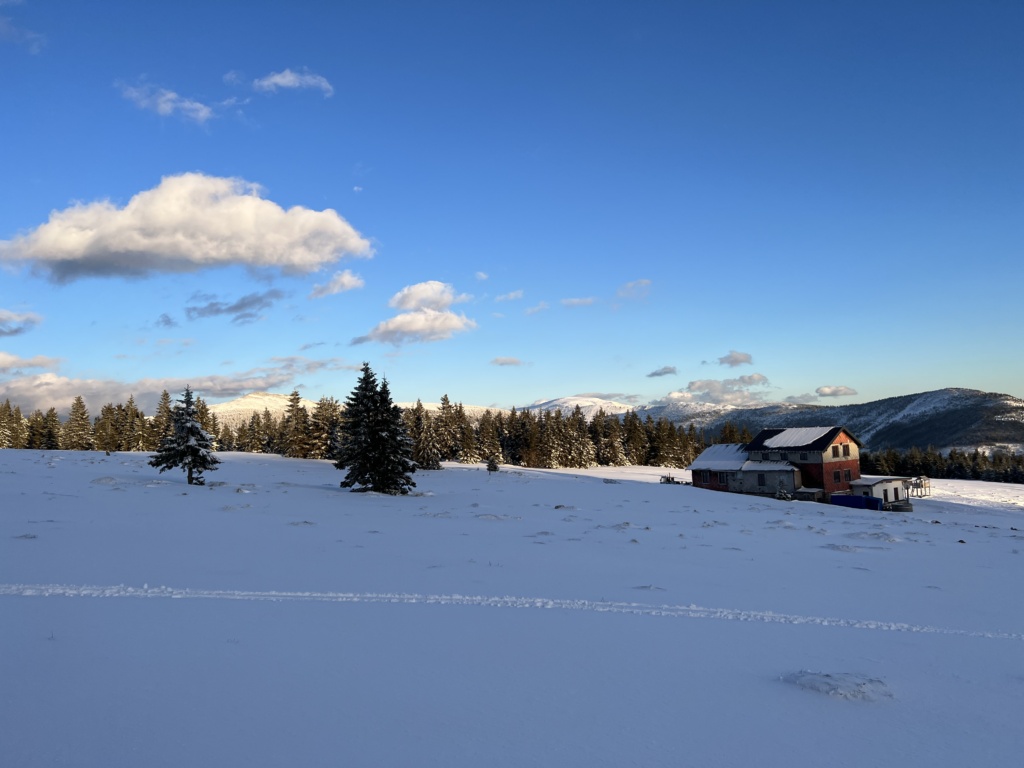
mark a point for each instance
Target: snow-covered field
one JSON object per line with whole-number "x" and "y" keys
{"x": 550, "y": 618}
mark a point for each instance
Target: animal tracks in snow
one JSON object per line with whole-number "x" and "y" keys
{"x": 639, "y": 609}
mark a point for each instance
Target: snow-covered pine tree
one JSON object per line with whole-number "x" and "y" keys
{"x": 580, "y": 448}
{"x": 160, "y": 426}
{"x": 19, "y": 428}
{"x": 324, "y": 424}
{"x": 396, "y": 467}
{"x": 132, "y": 427}
{"x": 77, "y": 430}
{"x": 487, "y": 439}
{"x": 189, "y": 446}
{"x": 373, "y": 444}
{"x": 295, "y": 428}
{"x": 6, "y": 418}
{"x": 44, "y": 430}
{"x": 466, "y": 446}
{"x": 426, "y": 452}
{"x": 447, "y": 430}
{"x": 422, "y": 429}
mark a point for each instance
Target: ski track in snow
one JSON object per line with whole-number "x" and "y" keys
{"x": 640, "y": 609}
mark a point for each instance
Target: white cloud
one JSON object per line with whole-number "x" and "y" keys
{"x": 290, "y": 79}
{"x": 165, "y": 102}
{"x": 186, "y": 223}
{"x": 535, "y": 309}
{"x": 419, "y": 325}
{"x": 431, "y": 294}
{"x": 586, "y": 302}
{"x": 481, "y": 275}
{"x": 339, "y": 283}
{"x": 9, "y": 362}
{"x": 721, "y": 391}
{"x": 510, "y": 296}
{"x": 637, "y": 289}
{"x": 835, "y": 391}
{"x": 735, "y": 358}
{"x": 47, "y": 390}
{"x": 506, "y": 361}
{"x": 14, "y": 323}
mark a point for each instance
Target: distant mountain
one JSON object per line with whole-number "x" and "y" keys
{"x": 235, "y": 412}
{"x": 588, "y": 405}
{"x": 944, "y": 418}
{"x": 474, "y": 412}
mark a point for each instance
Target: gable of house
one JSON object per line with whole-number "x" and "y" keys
{"x": 799, "y": 440}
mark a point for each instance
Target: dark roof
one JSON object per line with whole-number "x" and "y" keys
{"x": 819, "y": 443}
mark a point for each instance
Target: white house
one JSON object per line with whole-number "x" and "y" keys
{"x": 891, "y": 490}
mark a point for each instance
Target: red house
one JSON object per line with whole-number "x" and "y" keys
{"x": 823, "y": 459}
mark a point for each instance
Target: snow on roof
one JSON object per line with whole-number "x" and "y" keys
{"x": 872, "y": 480}
{"x": 721, "y": 457}
{"x": 767, "y": 466}
{"x": 796, "y": 436}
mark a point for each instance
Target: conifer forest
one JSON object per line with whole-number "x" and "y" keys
{"x": 526, "y": 438}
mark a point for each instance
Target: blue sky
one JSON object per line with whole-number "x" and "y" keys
{"x": 505, "y": 202}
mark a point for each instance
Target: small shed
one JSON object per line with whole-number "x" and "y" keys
{"x": 891, "y": 490}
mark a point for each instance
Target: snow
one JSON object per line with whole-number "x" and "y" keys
{"x": 796, "y": 436}
{"x": 589, "y": 406}
{"x": 524, "y": 617}
{"x": 721, "y": 457}
{"x": 240, "y": 410}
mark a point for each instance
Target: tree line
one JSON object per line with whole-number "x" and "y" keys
{"x": 548, "y": 439}
{"x": 995, "y": 467}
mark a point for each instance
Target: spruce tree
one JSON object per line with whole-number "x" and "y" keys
{"x": 189, "y": 446}
{"x": 19, "y": 429}
{"x": 160, "y": 426}
{"x": 373, "y": 444}
{"x": 6, "y": 425}
{"x": 488, "y": 442}
{"x": 77, "y": 430}
{"x": 324, "y": 424}
{"x": 295, "y": 428}
{"x": 447, "y": 424}
{"x": 426, "y": 452}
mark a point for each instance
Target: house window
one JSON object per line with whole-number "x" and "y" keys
{"x": 723, "y": 478}
{"x": 847, "y": 475}
{"x": 835, "y": 451}
{"x": 705, "y": 476}
{"x": 784, "y": 456}
{"x": 764, "y": 456}
{"x": 836, "y": 476}
{"x": 803, "y": 456}
{"x": 761, "y": 479}
{"x": 846, "y": 449}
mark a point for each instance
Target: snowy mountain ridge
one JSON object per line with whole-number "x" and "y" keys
{"x": 944, "y": 418}
{"x": 240, "y": 410}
